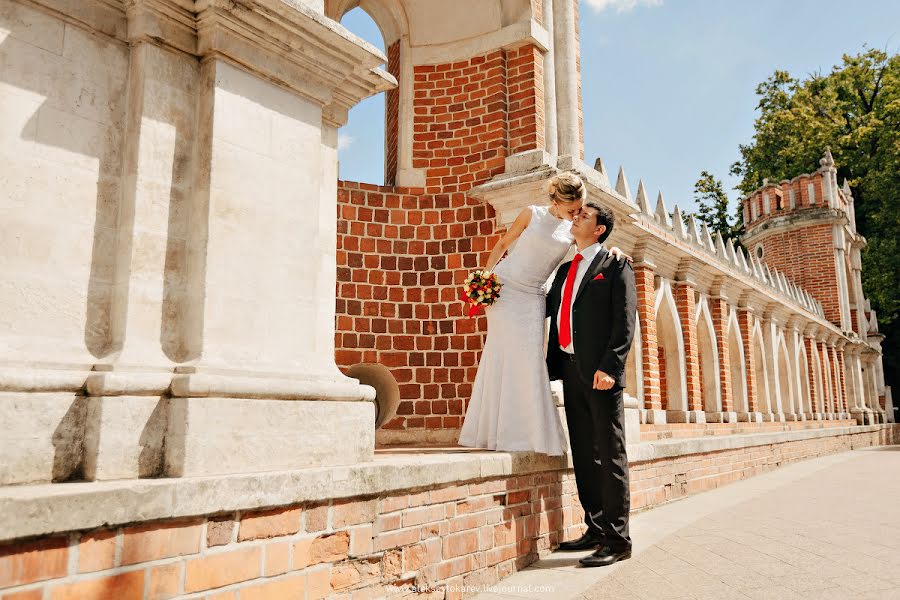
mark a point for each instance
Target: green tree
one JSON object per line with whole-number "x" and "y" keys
{"x": 854, "y": 110}
{"x": 712, "y": 203}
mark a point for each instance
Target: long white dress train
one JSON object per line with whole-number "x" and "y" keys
{"x": 511, "y": 406}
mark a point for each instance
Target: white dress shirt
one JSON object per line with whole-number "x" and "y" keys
{"x": 588, "y": 254}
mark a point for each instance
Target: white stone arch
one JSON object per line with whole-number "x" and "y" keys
{"x": 634, "y": 367}
{"x": 738, "y": 366}
{"x": 761, "y": 370}
{"x": 827, "y": 381}
{"x": 393, "y": 21}
{"x": 708, "y": 352}
{"x": 803, "y": 367}
{"x": 669, "y": 337}
{"x": 817, "y": 380}
{"x": 785, "y": 377}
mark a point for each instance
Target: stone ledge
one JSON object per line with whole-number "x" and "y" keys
{"x": 35, "y": 510}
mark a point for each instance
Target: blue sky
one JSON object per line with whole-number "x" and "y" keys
{"x": 668, "y": 85}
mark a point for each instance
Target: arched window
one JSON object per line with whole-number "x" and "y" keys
{"x": 362, "y": 141}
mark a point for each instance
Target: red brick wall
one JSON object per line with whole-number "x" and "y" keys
{"x": 525, "y": 90}
{"x": 745, "y": 322}
{"x": 403, "y": 252}
{"x": 793, "y": 252}
{"x": 402, "y": 256}
{"x": 684, "y": 301}
{"x": 719, "y": 312}
{"x": 650, "y": 367}
{"x": 663, "y": 372}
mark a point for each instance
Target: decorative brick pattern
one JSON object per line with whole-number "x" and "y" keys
{"x": 684, "y": 302}
{"x": 719, "y": 311}
{"x": 643, "y": 277}
{"x": 745, "y": 322}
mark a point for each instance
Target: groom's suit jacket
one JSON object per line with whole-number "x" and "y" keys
{"x": 603, "y": 313}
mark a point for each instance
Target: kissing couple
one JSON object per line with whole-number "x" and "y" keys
{"x": 591, "y": 305}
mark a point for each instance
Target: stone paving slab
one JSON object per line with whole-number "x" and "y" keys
{"x": 827, "y": 528}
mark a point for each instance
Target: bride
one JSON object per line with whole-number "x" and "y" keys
{"x": 511, "y": 406}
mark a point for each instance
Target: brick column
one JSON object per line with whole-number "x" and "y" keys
{"x": 643, "y": 277}
{"x": 684, "y": 302}
{"x": 718, "y": 308}
{"x": 525, "y": 98}
{"x": 745, "y": 321}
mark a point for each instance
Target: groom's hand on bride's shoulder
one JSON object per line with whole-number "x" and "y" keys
{"x": 602, "y": 381}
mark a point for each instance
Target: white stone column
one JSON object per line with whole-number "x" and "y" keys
{"x": 565, "y": 55}
{"x": 769, "y": 326}
{"x": 551, "y": 140}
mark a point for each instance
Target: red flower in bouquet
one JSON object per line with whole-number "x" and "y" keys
{"x": 480, "y": 289}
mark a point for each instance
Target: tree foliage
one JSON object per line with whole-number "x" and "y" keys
{"x": 854, "y": 110}
{"x": 712, "y": 203}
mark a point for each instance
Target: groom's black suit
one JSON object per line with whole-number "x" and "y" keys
{"x": 603, "y": 313}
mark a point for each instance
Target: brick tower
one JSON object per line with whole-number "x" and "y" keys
{"x": 806, "y": 221}
{"x": 806, "y": 228}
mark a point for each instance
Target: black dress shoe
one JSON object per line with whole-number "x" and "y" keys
{"x": 604, "y": 557}
{"x": 588, "y": 541}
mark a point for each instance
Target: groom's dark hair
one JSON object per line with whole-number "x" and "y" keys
{"x": 604, "y": 216}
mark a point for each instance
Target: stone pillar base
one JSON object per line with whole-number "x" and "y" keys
{"x": 863, "y": 416}
{"x": 656, "y": 416}
{"x": 749, "y": 417}
{"x": 767, "y": 417}
{"x": 220, "y": 436}
{"x": 678, "y": 416}
{"x": 790, "y": 417}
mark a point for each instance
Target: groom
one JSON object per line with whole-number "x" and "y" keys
{"x": 591, "y": 306}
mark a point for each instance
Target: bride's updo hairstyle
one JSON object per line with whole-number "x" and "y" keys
{"x": 567, "y": 187}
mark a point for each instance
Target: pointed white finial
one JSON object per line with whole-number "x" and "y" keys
{"x": 677, "y": 222}
{"x": 732, "y": 255}
{"x": 745, "y": 264}
{"x": 622, "y": 184}
{"x": 694, "y": 230}
{"x": 720, "y": 247}
{"x": 662, "y": 215}
{"x": 768, "y": 273}
{"x": 827, "y": 159}
{"x": 599, "y": 166}
{"x": 642, "y": 200}
{"x": 848, "y": 194}
{"x": 706, "y": 238}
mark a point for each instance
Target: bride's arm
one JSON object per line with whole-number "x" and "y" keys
{"x": 511, "y": 235}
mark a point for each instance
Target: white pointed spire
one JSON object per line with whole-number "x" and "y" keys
{"x": 642, "y": 200}
{"x": 600, "y": 167}
{"x": 622, "y": 184}
{"x": 720, "y": 247}
{"x": 745, "y": 265}
{"x": 706, "y": 238}
{"x": 662, "y": 215}
{"x": 827, "y": 159}
{"x": 732, "y": 256}
{"x": 694, "y": 230}
{"x": 848, "y": 194}
{"x": 768, "y": 275}
{"x": 677, "y": 221}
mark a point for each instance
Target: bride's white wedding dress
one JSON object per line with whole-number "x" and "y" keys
{"x": 511, "y": 406}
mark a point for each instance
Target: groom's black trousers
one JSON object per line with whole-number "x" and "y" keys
{"x": 596, "y": 420}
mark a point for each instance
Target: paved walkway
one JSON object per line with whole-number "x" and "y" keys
{"x": 822, "y": 529}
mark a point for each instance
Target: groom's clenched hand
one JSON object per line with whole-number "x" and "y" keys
{"x": 602, "y": 381}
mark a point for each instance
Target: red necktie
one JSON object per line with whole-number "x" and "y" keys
{"x": 565, "y": 334}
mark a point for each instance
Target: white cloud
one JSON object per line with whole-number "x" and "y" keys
{"x": 621, "y": 6}
{"x": 345, "y": 141}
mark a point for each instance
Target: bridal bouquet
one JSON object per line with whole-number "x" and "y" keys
{"x": 480, "y": 289}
